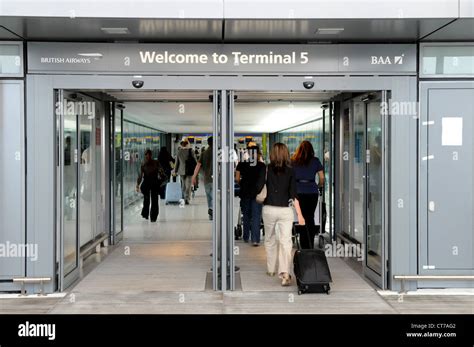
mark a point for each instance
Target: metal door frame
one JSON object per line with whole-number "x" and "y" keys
{"x": 379, "y": 279}
{"x": 41, "y": 87}
{"x": 115, "y": 237}
{"x": 65, "y": 280}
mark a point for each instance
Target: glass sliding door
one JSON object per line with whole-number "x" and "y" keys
{"x": 68, "y": 190}
{"x": 375, "y": 189}
{"x": 117, "y": 173}
{"x": 358, "y": 169}
{"x": 328, "y": 163}
{"x": 346, "y": 168}
{"x": 86, "y": 179}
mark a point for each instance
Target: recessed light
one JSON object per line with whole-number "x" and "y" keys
{"x": 92, "y": 55}
{"x": 116, "y": 31}
{"x": 329, "y": 31}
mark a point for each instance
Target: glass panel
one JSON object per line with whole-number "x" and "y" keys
{"x": 118, "y": 188}
{"x": 346, "y": 204}
{"x": 136, "y": 139}
{"x": 359, "y": 170}
{"x": 374, "y": 188}
{"x": 70, "y": 193}
{"x": 10, "y": 59}
{"x": 448, "y": 60}
{"x": 86, "y": 175}
{"x": 328, "y": 162}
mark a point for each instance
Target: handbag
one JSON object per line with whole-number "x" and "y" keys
{"x": 260, "y": 198}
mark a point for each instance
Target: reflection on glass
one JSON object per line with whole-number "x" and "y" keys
{"x": 136, "y": 139}
{"x": 70, "y": 193}
{"x": 346, "y": 204}
{"x": 118, "y": 173}
{"x": 328, "y": 159}
{"x": 86, "y": 170}
{"x": 374, "y": 189}
{"x": 358, "y": 170}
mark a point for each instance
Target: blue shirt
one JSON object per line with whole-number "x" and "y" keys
{"x": 306, "y": 176}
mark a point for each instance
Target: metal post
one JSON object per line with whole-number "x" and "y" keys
{"x": 230, "y": 190}
{"x": 224, "y": 188}
{"x": 215, "y": 191}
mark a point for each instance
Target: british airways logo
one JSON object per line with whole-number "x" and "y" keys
{"x": 387, "y": 60}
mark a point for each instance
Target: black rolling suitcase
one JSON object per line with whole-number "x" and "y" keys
{"x": 311, "y": 270}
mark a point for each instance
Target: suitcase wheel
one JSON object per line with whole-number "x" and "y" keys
{"x": 300, "y": 292}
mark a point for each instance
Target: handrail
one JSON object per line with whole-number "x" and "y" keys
{"x": 404, "y": 278}
{"x": 39, "y": 280}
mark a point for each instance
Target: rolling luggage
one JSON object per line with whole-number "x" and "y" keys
{"x": 173, "y": 191}
{"x": 311, "y": 270}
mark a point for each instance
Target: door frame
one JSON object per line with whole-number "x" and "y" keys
{"x": 66, "y": 279}
{"x": 379, "y": 279}
{"x": 115, "y": 237}
{"x": 402, "y": 87}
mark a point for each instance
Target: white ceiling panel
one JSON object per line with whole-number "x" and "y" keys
{"x": 196, "y": 117}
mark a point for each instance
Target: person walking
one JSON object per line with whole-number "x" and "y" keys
{"x": 166, "y": 161}
{"x": 247, "y": 175}
{"x": 148, "y": 182}
{"x": 205, "y": 163}
{"x": 278, "y": 213}
{"x": 185, "y": 166}
{"x": 306, "y": 166}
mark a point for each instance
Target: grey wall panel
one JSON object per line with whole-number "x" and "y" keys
{"x": 307, "y": 30}
{"x": 402, "y": 165}
{"x": 447, "y": 221}
{"x": 114, "y": 8}
{"x": 40, "y": 177}
{"x": 341, "y": 9}
{"x": 12, "y": 183}
{"x": 458, "y": 31}
{"x": 89, "y": 29}
{"x": 450, "y": 224}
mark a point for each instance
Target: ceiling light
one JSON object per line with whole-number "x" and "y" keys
{"x": 116, "y": 31}
{"x": 329, "y": 31}
{"x": 95, "y": 55}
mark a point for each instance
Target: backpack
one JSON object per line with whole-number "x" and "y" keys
{"x": 190, "y": 164}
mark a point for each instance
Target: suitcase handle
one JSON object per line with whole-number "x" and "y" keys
{"x": 297, "y": 237}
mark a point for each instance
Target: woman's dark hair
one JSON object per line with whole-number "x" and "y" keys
{"x": 148, "y": 151}
{"x": 164, "y": 156}
{"x": 304, "y": 153}
{"x": 279, "y": 157}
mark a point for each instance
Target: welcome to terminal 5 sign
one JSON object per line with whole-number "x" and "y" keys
{"x": 114, "y": 58}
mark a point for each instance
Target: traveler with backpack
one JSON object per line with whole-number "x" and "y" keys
{"x": 185, "y": 165}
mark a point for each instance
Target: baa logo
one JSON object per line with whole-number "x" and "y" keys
{"x": 386, "y": 60}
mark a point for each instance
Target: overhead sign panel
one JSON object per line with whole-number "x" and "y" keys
{"x": 113, "y": 58}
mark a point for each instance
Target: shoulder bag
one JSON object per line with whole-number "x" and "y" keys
{"x": 260, "y": 198}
